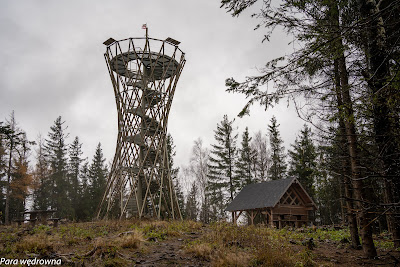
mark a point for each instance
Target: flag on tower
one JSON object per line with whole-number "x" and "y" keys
{"x": 144, "y": 26}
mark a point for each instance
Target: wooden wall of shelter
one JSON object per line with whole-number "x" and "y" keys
{"x": 280, "y": 202}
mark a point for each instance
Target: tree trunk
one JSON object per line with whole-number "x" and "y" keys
{"x": 351, "y": 217}
{"x": 346, "y": 113}
{"x": 359, "y": 194}
{"x": 385, "y": 121}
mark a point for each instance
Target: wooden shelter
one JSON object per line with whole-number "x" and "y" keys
{"x": 282, "y": 202}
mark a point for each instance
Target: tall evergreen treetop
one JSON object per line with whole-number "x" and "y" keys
{"x": 303, "y": 160}
{"x": 74, "y": 168}
{"x": 97, "y": 175}
{"x": 247, "y": 155}
{"x": 171, "y": 154}
{"x": 56, "y": 147}
{"x": 222, "y": 184}
{"x": 278, "y": 164}
{"x": 174, "y": 171}
{"x": 56, "y": 153}
{"x": 42, "y": 183}
{"x": 191, "y": 209}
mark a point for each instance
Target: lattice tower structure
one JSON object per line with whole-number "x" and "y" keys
{"x": 144, "y": 73}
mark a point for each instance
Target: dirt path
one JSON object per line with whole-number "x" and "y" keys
{"x": 170, "y": 253}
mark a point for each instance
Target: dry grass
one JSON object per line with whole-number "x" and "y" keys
{"x": 274, "y": 257}
{"x": 121, "y": 243}
{"x": 228, "y": 259}
{"x": 38, "y": 243}
{"x": 133, "y": 239}
{"x": 202, "y": 250}
{"x": 229, "y": 245}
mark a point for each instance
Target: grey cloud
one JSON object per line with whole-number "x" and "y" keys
{"x": 53, "y": 64}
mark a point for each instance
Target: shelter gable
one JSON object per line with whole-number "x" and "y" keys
{"x": 290, "y": 197}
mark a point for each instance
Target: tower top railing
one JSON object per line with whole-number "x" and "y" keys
{"x": 110, "y": 42}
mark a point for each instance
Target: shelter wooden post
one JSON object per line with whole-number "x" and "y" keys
{"x": 272, "y": 218}
{"x": 236, "y": 216}
{"x": 297, "y": 222}
{"x": 253, "y": 214}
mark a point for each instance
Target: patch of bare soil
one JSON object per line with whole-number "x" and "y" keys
{"x": 170, "y": 252}
{"x": 329, "y": 254}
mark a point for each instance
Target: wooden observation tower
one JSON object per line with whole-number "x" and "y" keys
{"x": 144, "y": 73}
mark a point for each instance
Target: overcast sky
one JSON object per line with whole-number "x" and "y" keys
{"x": 52, "y": 64}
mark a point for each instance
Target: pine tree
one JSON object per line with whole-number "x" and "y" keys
{"x": 56, "y": 153}
{"x": 222, "y": 184}
{"x": 302, "y": 162}
{"x": 74, "y": 167}
{"x": 278, "y": 164}
{"x": 244, "y": 166}
{"x": 97, "y": 175}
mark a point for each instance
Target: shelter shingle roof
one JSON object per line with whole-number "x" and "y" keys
{"x": 261, "y": 195}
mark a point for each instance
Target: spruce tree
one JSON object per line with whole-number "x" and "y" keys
{"x": 222, "y": 184}
{"x": 244, "y": 166}
{"x": 56, "y": 152}
{"x": 74, "y": 167}
{"x": 302, "y": 162}
{"x": 97, "y": 175}
{"x": 41, "y": 179}
{"x": 83, "y": 210}
{"x": 278, "y": 164}
{"x": 329, "y": 184}
{"x": 178, "y": 197}
{"x": 191, "y": 209}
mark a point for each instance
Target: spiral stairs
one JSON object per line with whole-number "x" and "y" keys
{"x": 144, "y": 73}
